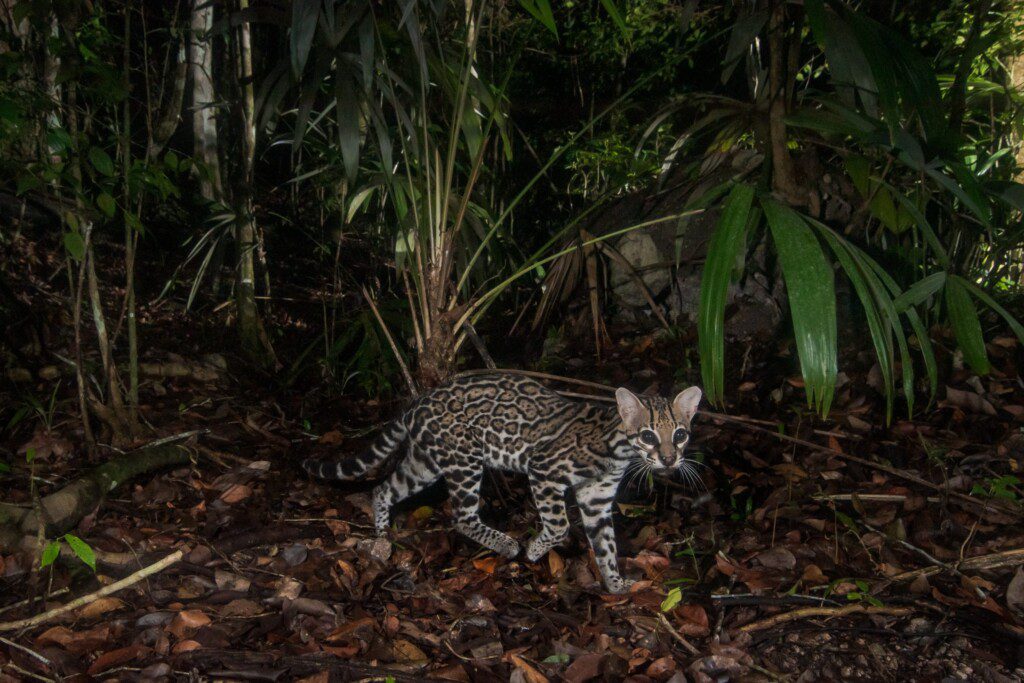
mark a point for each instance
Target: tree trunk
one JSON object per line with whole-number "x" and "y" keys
{"x": 204, "y": 120}
{"x": 63, "y": 509}
{"x": 253, "y": 339}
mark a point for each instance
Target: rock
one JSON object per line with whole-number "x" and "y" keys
{"x": 647, "y": 260}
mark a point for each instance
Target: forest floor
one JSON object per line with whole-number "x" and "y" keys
{"x": 865, "y": 553}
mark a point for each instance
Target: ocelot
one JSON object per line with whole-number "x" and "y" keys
{"x": 511, "y": 422}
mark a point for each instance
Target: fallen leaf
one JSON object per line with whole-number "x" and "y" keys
{"x": 530, "y": 674}
{"x": 404, "y": 651}
{"x": 241, "y": 608}
{"x": 813, "y": 575}
{"x": 185, "y": 646}
{"x": 968, "y": 400}
{"x": 584, "y": 668}
{"x": 186, "y": 622}
{"x": 76, "y": 642}
{"x": 109, "y": 660}
{"x": 778, "y": 557}
{"x": 321, "y": 677}
{"x": 331, "y": 438}
{"x": 231, "y": 582}
{"x": 693, "y": 620}
{"x": 236, "y": 493}
{"x": 661, "y": 668}
{"x": 556, "y": 565}
{"x": 100, "y": 607}
{"x": 486, "y": 564}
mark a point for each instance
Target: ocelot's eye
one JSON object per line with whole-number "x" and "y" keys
{"x": 680, "y": 437}
{"x": 649, "y": 438}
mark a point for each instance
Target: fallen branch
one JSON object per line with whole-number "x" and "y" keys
{"x": 131, "y": 580}
{"x": 1005, "y": 558}
{"x": 928, "y": 557}
{"x": 810, "y": 612}
{"x": 63, "y": 509}
{"x": 687, "y": 645}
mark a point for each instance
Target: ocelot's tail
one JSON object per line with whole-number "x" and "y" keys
{"x": 353, "y": 468}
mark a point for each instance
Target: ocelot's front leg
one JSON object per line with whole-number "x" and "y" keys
{"x": 597, "y": 500}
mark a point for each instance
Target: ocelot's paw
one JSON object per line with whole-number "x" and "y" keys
{"x": 507, "y": 548}
{"x": 536, "y": 550}
{"x": 619, "y": 585}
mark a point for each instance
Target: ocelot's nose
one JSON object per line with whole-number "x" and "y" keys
{"x": 668, "y": 459}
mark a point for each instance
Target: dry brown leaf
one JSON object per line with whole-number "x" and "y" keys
{"x": 236, "y": 493}
{"x": 109, "y": 660}
{"x": 187, "y": 622}
{"x": 813, "y": 576}
{"x": 76, "y": 642}
{"x": 556, "y": 565}
{"x": 778, "y": 557}
{"x": 486, "y": 564}
{"x": 405, "y": 652}
{"x": 693, "y": 620}
{"x": 968, "y": 400}
{"x": 584, "y": 668}
{"x": 331, "y": 438}
{"x": 186, "y": 646}
{"x": 530, "y": 673}
{"x": 99, "y": 607}
{"x": 226, "y": 580}
{"x": 320, "y": 677}
{"x": 241, "y": 608}
{"x": 660, "y": 669}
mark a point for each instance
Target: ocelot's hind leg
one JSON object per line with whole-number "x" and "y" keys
{"x": 464, "y": 481}
{"x": 414, "y": 473}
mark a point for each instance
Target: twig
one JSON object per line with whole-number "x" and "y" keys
{"x": 809, "y": 612}
{"x": 391, "y": 342}
{"x": 928, "y": 557}
{"x": 889, "y": 469}
{"x": 130, "y": 580}
{"x": 22, "y": 603}
{"x": 479, "y": 344}
{"x": 174, "y": 438}
{"x": 869, "y": 497}
{"x": 11, "y": 666}
{"x": 687, "y": 645}
{"x": 31, "y": 653}
{"x": 1005, "y": 558}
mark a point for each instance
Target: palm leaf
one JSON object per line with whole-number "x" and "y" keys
{"x": 723, "y": 252}
{"x": 812, "y": 300}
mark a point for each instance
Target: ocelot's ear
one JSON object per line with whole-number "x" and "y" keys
{"x": 685, "y": 404}
{"x": 630, "y": 409}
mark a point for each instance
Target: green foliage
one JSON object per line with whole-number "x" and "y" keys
{"x": 82, "y": 550}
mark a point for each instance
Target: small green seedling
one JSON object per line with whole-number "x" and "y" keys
{"x": 80, "y": 548}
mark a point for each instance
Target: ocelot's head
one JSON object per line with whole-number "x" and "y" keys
{"x": 658, "y": 428}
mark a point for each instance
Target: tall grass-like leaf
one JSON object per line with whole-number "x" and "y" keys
{"x": 920, "y": 291}
{"x": 744, "y": 31}
{"x": 613, "y": 12}
{"x": 923, "y": 340}
{"x": 723, "y": 251}
{"x": 304, "y": 17}
{"x": 812, "y": 300}
{"x": 348, "y": 113}
{"x": 964, "y": 317}
{"x": 984, "y": 297}
{"x": 541, "y": 11}
{"x": 878, "y": 327}
{"x": 884, "y": 291}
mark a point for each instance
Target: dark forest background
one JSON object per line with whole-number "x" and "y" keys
{"x": 812, "y": 209}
